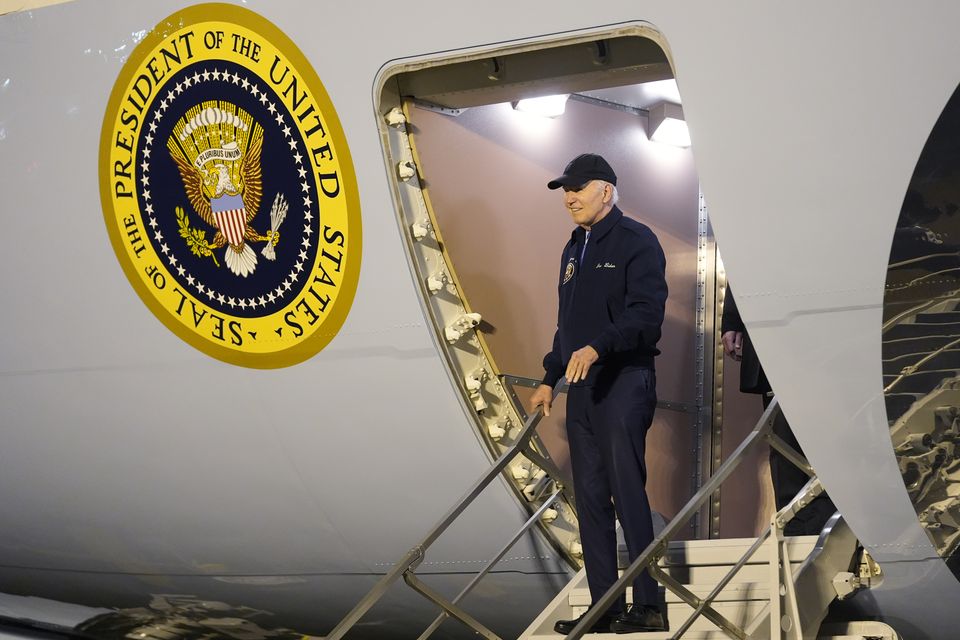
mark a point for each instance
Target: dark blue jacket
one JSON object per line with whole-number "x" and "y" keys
{"x": 613, "y": 302}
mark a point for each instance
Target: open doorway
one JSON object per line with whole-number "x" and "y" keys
{"x": 485, "y": 237}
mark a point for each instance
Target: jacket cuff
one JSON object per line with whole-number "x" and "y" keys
{"x": 603, "y": 344}
{"x": 551, "y": 377}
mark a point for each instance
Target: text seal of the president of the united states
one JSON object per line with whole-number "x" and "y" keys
{"x": 228, "y": 190}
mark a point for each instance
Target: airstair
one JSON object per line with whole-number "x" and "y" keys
{"x": 764, "y": 588}
{"x": 700, "y": 565}
{"x": 921, "y": 375}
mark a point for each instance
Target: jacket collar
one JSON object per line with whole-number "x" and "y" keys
{"x": 602, "y": 228}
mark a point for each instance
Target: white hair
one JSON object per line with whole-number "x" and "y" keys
{"x": 615, "y": 197}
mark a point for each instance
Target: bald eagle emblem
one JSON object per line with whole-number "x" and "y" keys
{"x": 217, "y": 149}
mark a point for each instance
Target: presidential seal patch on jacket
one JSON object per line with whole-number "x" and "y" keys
{"x": 228, "y": 190}
{"x": 569, "y": 271}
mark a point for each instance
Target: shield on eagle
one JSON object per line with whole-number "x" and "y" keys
{"x": 231, "y": 217}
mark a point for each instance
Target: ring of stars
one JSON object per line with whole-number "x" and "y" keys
{"x": 284, "y": 287}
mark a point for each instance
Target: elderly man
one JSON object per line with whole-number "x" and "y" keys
{"x": 612, "y": 293}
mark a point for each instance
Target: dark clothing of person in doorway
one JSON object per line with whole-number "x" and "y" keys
{"x": 612, "y": 292}
{"x": 787, "y": 479}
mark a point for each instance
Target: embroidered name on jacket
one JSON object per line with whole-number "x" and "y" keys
{"x": 606, "y": 265}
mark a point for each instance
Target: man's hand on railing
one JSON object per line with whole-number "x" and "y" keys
{"x": 542, "y": 397}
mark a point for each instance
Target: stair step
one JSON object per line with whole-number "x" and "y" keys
{"x": 700, "y": 565}
{"x": 922, "y": 382}
{"x": 733, "y": 592}
{"x": 739, "y": 613}
{"x": 699, "y": 635}
{"x": 922, "y": 329}
{"x": 898, "y": 404}
{"x": 712, "y": 574}
{"x": 893, "y": 348}
{"x": 945, "y": 360}
{"x": 724, "y": 551}
{"x": 715, "y": 634}
{"x": 940, "y": 317}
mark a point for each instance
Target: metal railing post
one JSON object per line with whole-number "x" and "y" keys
{"x": 709, "y": 598}
{"x": 417, "y": 585}
{"x": 791, "y": 454}
{"x": 415, "y": 556}
{"x": 494, "y": 560}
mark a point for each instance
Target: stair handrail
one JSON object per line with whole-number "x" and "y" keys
{"x": 646, "y": 560}
{"x": 546, "y": 463}
{"x": 443, "y": 615}
{"x": 406, "y": 566}
{"x": 911, "y": 369}
{"x": 923, "y": 306}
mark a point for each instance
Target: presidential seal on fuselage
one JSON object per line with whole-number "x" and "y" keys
{"x": 228, "y": 190}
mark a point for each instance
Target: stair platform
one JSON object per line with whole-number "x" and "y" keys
{"x": 699, "y": 565}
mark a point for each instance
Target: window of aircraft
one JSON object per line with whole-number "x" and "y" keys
{"x": 484, "y": 233}
{"x": 921, "y": 337}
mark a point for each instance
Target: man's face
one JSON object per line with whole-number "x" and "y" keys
{"x": 587, "y": 204}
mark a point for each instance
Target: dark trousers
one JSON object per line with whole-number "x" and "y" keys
{"x": 607, "y": 427}
{"x": 788, "y": 480}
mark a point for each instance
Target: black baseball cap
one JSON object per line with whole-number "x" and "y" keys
{"x": 583, "y": 169}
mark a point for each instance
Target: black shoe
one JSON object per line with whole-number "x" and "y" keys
{"x": 602, "y": 625}
{"x": 640, "y": 617}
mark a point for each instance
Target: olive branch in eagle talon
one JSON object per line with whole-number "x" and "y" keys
{"x": 196, "y": 238}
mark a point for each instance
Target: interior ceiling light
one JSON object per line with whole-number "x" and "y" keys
{"x": 667, "y": 125}
{"x": 546, "y": 106}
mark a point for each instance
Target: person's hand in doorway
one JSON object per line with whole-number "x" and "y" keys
{"x": 733, "y": 344}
